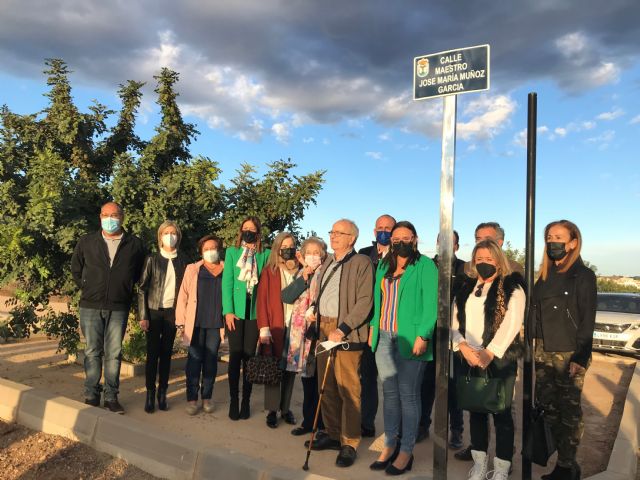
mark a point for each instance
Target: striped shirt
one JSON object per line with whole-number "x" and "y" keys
{"x": 389, "y": 305}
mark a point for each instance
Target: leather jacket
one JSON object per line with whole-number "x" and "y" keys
{"x": 151, "y": 284}
{"x": 564, "y": 316}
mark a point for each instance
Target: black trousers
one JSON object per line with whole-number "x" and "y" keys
{"x": 310, "y": 402}
{"x": 428, "y": 389}
{"x": 160, "y": 337}
{"x": 368, "y": 388}
{"x": 503, "y": 423}
{"x": 242, "y": 345}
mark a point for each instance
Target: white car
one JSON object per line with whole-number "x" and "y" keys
{"x": 618, "y": 323}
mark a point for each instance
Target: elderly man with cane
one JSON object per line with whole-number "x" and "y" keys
{"x": 343, "y": 304}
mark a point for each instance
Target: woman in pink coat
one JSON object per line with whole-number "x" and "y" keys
{"x": 199, "y": 316}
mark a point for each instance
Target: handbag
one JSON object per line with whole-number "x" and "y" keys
{"x": 539, "y": 444}
{"x": 263, "y": 369}
{"x": 483, "y": 394}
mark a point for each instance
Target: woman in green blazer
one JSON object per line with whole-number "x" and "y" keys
{"x": 405, "y": 310}
{"x": 242, "y": 267}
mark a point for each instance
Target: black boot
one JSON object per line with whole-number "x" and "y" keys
{"x": 150, "y": 402}
{"x": 560, "y": 473}
{"x": 162, "y": 399}
{"x": 234, "y": 409}
{"x": 245, "y": 408}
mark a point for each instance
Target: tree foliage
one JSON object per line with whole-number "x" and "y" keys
{"x": 58, "y": 166}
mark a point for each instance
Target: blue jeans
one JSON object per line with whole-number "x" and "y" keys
{"x": 103, "y": 331}
{"x": 202, "y": 359}
{"x": 401, "y": 381}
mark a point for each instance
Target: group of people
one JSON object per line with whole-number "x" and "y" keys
{"x": 380, "y": 305}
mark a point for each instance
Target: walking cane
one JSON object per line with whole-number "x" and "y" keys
{"x": 315, "y": 419}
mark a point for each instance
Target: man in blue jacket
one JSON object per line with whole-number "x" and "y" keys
{"x": 106, "y": 265}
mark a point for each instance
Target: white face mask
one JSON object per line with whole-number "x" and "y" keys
{"x": 312, "y": 261}
{"x": 169, "y": 240}
{"x": 211, "y": 256}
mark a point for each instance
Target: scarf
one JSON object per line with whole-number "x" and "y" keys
{"x": 298, "y": 348}
{"x": 248, "y": 268}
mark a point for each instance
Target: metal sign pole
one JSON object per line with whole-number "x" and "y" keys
{"x": 445, "y": 255}
{"x": 527, "y": 373}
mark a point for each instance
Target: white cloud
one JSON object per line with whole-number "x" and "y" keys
{"x": 635, "y": 120}
{"x": 520, "y": 138}
{"x": 282, "y": 132}
{"x": 561, "y": 132}
{"x": 374, "y": 155}
{"x": 588, "y": 125}
{"x": 612, "y": 115}
{"x": 584, "y": 63}
{"x": 603, "y": 140}
{"x": 308, "y": 140}
{"x": 385, "y": 137}
{"x": 572, "y": 45}
{"x": 488, "y": 116}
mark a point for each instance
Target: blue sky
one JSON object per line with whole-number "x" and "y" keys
{"x": 328, "y": 84}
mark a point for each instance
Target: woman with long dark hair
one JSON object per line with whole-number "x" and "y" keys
{"x": 405, "y": 310}
{"x": 563, "y": 318}
{"x": 488, "y": 314}
{"x": 243, "y": 266}
{"x": 157, "y": 294}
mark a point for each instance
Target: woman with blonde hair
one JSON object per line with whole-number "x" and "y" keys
{"x": 488, "y": 313}
{"x": 562, "y": 315}
{"x": 157, "y": 294}
{"x": 274, "y": 319}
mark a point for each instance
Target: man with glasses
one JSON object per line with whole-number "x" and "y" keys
{"x": 106, "y": 265}
{"x": 344, "y": 301}
{"x": 368, "y": 369}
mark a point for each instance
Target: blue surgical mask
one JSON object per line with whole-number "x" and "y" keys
{"x": 110, "y": 225}
{"x": 383, "y": 238}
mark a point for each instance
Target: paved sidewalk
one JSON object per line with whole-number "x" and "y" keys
{"x": 35, "y": 363}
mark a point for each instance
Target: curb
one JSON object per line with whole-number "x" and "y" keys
{"x": 145, "y": 446}
{"x": 623, "y": 462}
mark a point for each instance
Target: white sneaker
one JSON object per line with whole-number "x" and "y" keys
{"x": 207, "y": 406}
{"x": 500, "y": 470}
{"x": 191, "y": 409}
{"x": 480, "y": 462}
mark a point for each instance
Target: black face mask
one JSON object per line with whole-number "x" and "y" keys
{"x": 486, "y": 270}
{"x": 288, "y": 253}
{"x": 556, "y": 250}
{"x": 403, "y": 249}
{"x": 249, "y": 237}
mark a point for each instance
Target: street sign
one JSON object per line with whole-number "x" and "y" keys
{"x": 451, "y": 73}
{"x": 447, "y": 74}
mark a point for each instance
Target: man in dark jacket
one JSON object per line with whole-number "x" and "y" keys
{"x": 456, "y": 422}
{"x": 368, "y": 368}
{"x": 106, "y": 265}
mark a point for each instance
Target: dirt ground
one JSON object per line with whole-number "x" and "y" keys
{"x": 29, "y": 455}
{"x": 34, "y": 362}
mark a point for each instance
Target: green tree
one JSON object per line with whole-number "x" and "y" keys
{"x": 514, "y": 254}
{"x": 608, "y": 285}
{"x": 60, "y": 165}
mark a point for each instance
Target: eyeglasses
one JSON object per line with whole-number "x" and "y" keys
{"x": 335, "y": 232}
{"x": 478, "y": 291}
